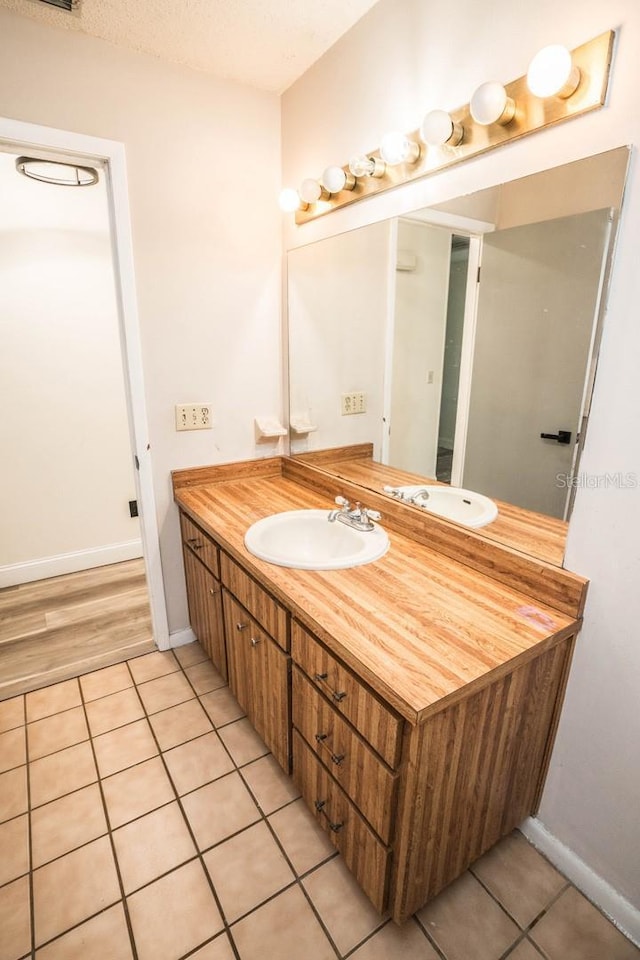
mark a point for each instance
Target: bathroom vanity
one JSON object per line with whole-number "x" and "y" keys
{"x": 414, "y": 700}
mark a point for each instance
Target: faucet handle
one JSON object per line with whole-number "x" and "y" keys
{"x": 370, "y": 514}
{"x": 342, "y": 502}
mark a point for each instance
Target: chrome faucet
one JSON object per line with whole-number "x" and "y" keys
{"x": 357, "y": 517}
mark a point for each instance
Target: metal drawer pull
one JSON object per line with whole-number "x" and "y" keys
{"x": 255, "y": 641}
{"x": 195, "y": 543}
{"x": 322, "y": 678}
{"x": 319, "y": 805}
{"x": 241, "y": 626}
{"x": 336, "y": 758}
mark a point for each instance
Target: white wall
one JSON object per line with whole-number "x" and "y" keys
{"x": 406, "y": 57}
{"x": 67, "y": 471}
{"x": 203, "y": 159}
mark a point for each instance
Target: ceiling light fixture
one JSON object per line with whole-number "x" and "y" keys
{"x": 438, "y": 130}
{"x": 491, "y": 104}
{"x": 552, "y": 73}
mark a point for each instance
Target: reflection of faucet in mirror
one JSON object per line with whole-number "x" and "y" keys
{"x": 461, "y": 370}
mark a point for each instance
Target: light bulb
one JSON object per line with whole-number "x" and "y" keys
{"x": 438, "y": 129}
{"x": 552, "y": 73}
{"x": 335, "y": 179}
{"x": 310, "y": 190}
{"x": 364, "y": 166}
{"x": 491, "y": 104}
{"x": 397, "y": 148}
{"x": 290, "y": 201}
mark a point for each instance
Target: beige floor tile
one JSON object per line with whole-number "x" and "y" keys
{"x": 102, "y": 683}
{"x": 179, "y": 724}
{"x": 519, "y": 877}
{"x": 197, "y": 762}
{"x": 13, "y": 793}
{"x": 13, "y": 749}
{"x": 56, "y": 732}
{"x": 286, "y": 928}
{"x": 219, "y": 809}
{"x": 305, "y": 843}
{"x": 246, "y": 870}
{"x": 136, "y": 791}
{"x": 174, "y": 915}
{"x": 447, "y": 920}
{"x": 574, "y": 930}
{"x": 526, "y": 951}
{"x": 67, "y": 823}
{"x": 11, "y": 713}
{"x": 204, "y": 677}
{"x": 151, "y": 846}
{"x": 14, "y": 848}
{"x": 62, "y": 772}
{"x": 345, "y": 911}
{"x": 15, "y": 920}
{"x": 269, "y": 784}
{"x": 53, "y": 699}
{"x": 218, "y": 949}
{"x": 153, "y": 665}
{"x": 73, "y": 888}
{"x": 104, "y": 937}
{"x": 222, "y": 706}
{"x": 189, "y": 654}
{"x": 114, "y": 710}
{"x": 123, "y": 747}
{"x": 165, "y": 692}
{"x": 407, "y": 942}
{"x": 242, "y": 742}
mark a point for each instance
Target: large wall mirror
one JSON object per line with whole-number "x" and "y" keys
{"x": 457, "y": 345}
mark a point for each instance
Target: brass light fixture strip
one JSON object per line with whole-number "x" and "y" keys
{"x": 532, "y": 113}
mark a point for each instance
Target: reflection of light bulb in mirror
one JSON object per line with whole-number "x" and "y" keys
{"x": 397, "y": 148}
{"x": 552, "y": 73}
{"x": 311, "y": 191}
{"x": 290, "y": 201}
{"x": 491, "y": 104}
{"x": 335, "y": 179}
{"x": 364, "y": 166}
{"x": 438, "y": 129}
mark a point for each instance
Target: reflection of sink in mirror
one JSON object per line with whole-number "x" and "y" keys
{"x": 306, "y": 540}
{"x": 453, "y": 503}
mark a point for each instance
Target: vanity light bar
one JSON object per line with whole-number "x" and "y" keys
{"x": 497, "y": 114}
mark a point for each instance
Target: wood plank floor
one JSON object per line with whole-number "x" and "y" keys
{"x": 62, "y": 627}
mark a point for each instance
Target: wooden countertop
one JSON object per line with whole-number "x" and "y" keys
{"x": 419, "y": 627}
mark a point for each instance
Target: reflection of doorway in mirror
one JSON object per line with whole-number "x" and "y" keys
{"x": 452, "y": 354}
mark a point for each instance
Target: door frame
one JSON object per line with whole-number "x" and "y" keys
{"x": 111, "y": 153}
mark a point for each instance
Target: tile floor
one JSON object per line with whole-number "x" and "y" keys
{"x": 141, "y": 818}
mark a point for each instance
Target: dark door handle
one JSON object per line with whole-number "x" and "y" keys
{"x": 562, "y": 436}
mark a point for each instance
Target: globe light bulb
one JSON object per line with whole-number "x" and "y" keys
{"x": 397, "y": 148}
{"x": 310, "y": 190}
{"x": 364, "y": 166}
{"x": 335, "y": 179}
{"x": 289, "y": 200}
{"x": 552, "y": 73}
{"x": 438, "y": 129}
{"x": 491, "y": 104}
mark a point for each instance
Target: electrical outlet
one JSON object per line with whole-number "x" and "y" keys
{"x": 193, "y": 416}
{"x": 355, "y": 402}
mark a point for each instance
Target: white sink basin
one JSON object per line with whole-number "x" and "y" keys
{"x": 307, "y": 540}
{"x": 453, "y": 503}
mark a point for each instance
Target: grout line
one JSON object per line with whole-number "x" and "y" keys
{"x": 430, "y": 939}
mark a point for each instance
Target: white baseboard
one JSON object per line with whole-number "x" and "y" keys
{"x": 16, "y": 573}
{"x": 620, "y": 911}
{"x": 178, "y": 638}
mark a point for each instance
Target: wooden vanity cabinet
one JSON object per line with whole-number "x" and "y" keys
{"x": 204, "y": 591}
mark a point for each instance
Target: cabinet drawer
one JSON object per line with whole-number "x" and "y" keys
{"x": 367, "y": 858}
{"x": 260, "y": 605}
{"x": 355, "y": 766}
{"x": 369, "y": 715}
{"x": 201, "y": 544}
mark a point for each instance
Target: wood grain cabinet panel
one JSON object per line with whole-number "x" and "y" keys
{"x": 350, "y": 760}
{"x": 366, "y": 857}
{"x": 370, "y": 716}
{"x": 261, "y": 605}
{"x": 259, "y": 677}
{"x": 204, "y": 597}
{"x": 202, "y": 545}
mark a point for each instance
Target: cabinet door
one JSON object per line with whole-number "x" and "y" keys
{"x": 259, "y": 678}
{"x": 205, "y": 610}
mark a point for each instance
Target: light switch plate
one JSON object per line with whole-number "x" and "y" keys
{"x": 193, "y": 416}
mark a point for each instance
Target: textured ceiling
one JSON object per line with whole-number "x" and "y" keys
{"x": 265, "y": 43}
